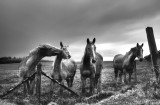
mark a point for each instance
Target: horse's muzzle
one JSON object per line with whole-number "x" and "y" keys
{"x": 93, "y": 61}
{"x": 69, "y": 56}
{"x": 141, "y": 59}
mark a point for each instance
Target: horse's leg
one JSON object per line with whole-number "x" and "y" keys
{"x": 120, "y": 75}
{"x": 92, "y": 85}
{"x": 69, "y": 83}
{"x": 51, "y": 88}
{"x": 24, "y": 87}
{"x": 32, "y": 86}
{"x": 116, "y": 74}
{"x": 99, "y": 85}
{"x": 130, "y": 74}
{"x": 61, "y": 88}
{"x": 72, "y": 78}
{"x": 33, "y": 81}
{"x": 83, "y": 84}
{"x": 96, "y": 84}
{"x": 96, "y": 81}
{"x": 135, "y": 72}
{"x": 28, "y": 86}
{"x": 124, "y": 72}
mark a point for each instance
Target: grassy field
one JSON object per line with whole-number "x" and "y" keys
{"x": 141, "y": 93}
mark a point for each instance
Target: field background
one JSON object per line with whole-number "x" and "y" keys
{"x": 141, "y": 93}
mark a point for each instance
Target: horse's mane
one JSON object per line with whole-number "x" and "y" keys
{"x": 130, "y": 51}
{"x": 84, "y": 60}
{"x": 36, "y": 50}
{"x": 133, "y": 49}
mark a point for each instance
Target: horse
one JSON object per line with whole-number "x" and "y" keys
{"x": 28, "y": 64}
{"x": 91, "y": 67}
{"x": 63, "y": 70}
{"x": 126, "y": 63}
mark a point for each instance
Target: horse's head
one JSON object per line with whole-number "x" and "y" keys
{"x": 65, "y": 53}
{"x": 90, "y": 50}
{"x": 139, "y": 52}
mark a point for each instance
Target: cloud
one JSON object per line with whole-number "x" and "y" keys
{"x": 24, "y": 24}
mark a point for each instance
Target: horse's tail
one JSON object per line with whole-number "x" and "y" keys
{"x": 117, "y": 58}
{"x": 22, "y": 71}
{"x": 113, "y": 61}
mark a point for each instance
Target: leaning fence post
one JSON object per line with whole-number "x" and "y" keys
{"x": 153, "y": 51}
{"x": 38, "y": 81}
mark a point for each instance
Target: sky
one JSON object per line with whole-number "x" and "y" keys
{"x": 117, "y": 25}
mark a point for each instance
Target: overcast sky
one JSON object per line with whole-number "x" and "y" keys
{"x": 117, "y": 25}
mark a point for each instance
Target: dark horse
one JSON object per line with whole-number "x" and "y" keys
{"x": 91, "y": 67}
{"x": 126, "y": 63}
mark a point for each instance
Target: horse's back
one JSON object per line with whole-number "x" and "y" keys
{"x": 99, "y": 63}
{"x": 69, "y": 65}
{"x": 99, "y": 59}
{"x": 118, "y": 61}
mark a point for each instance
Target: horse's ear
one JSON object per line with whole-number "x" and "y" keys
{"x": 88, "y": 41}
{"x": 137, "y": 45}
{"x": 142, "y": 45}
{"x": 94, "y": 40}
{"x": 61, "y": 44}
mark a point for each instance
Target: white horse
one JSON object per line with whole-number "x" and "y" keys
{"x": 28, "y": 64}
{"x": 63, "y": 70}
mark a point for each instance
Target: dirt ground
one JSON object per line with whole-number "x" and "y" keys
{"x": 145, "y": 91}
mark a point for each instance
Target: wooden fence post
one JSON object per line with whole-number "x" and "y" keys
{"x": 38, "y": 81}
{"x": 153, "y": 51}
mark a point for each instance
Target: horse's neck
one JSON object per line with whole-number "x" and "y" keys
{"x": 86, "y": 60}
{"x": 57, "y": 64}
{"x": 130, "y": 57}
{"x": 31, "y": 61}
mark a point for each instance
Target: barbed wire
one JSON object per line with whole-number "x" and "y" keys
{"x": 154, "y": 67}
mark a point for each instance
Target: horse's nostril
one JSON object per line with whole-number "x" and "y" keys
{"x": 93, "y": 60}
{"x": 141, "y": 59}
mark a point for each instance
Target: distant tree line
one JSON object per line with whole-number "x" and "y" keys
{"x": 4, "y": 60}
{"x": 148, "y": 57}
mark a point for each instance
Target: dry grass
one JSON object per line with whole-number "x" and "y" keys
{"x": 141, "y": 93}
